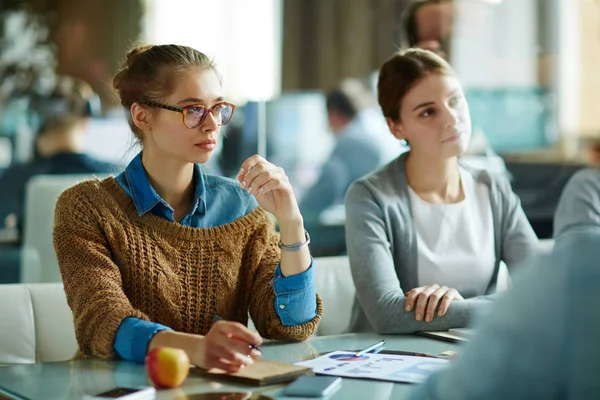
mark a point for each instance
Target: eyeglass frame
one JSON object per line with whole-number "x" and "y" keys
{"x": 183, "y": 110}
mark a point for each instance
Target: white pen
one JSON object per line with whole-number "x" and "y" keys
{"x": 371, "y": 348}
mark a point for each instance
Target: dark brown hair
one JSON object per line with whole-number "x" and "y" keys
{"x": 339, "y": 102}
{"x": 349, "y": 98}
{"x": 401, "y": 72}
{"x": 149, "y": 73}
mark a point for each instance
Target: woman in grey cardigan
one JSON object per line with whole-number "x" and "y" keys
{"x": 425, "y": 235}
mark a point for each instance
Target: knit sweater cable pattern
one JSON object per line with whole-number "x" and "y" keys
{"x": 116, "y": 264}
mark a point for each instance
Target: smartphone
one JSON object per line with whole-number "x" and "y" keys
{"x": 121, "y": 393}
{"x": 312, "y": 386}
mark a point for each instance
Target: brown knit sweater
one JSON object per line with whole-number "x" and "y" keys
{"x": 116, "y": 264}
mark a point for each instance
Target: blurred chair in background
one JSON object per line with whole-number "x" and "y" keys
{"x": 5, "y": 153}
{"x": 38, "y": 261}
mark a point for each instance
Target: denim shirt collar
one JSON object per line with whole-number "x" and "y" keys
{"x": 145, "y": 197}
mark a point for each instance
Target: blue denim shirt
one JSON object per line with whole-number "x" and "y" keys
{"x": 217, "y": 201}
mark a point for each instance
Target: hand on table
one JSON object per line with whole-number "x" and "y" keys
{"x": 425, "y": 299}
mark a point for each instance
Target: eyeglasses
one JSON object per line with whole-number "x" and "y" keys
{"x": 194, "y": 115}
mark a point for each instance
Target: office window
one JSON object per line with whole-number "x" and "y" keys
{"x": 247, "y": 53}
{"x": 506, "y": 63}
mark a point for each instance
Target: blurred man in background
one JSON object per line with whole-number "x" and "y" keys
{"x": 428, "y": 25}
{"x": 362, "y": 144}
{"x": 433, "y": 24}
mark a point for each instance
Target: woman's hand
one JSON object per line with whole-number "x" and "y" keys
{"x": 427, "y": 299}
{"x": 271, "y": 187}
{"x": 226, "y": 346}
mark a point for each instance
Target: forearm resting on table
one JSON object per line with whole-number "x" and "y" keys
{"x": 185, "y": 341}
{"x": 392, "y": 319}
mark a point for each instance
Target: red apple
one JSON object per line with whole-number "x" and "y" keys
{"x": 167, "y": 367}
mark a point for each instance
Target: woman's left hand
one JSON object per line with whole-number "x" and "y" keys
{"x": 271, "y": 187}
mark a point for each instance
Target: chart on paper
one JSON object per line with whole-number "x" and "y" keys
{"x": 395, "y": 368}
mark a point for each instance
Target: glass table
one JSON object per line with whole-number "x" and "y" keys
{"x": 74, "y": 379}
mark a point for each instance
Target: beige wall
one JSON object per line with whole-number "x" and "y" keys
{"x": 589, "y": 78}
{"x": 325, "y": 41}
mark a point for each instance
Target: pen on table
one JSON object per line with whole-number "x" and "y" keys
{"x": 376, "y": 346}
{"x": 252, "y": 346}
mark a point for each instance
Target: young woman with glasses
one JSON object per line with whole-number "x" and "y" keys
{"x": 165, "y": 255}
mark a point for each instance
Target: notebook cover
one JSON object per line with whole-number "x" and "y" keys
{"x": 443, "y": 335}
{"x": 261, "y": 373}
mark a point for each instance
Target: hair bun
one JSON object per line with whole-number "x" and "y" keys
{"x": 151, "y": 76}
{"x": 135, "y": 53}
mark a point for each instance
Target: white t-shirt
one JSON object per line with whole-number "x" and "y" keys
{"x": 456, "y": 241}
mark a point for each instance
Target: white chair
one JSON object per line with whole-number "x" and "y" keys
{"x": 5, "y": 152}
{"x": 546, "y": 246}
{"x": 17, "y": 330}
{"x": 503, "y": 280}
{"x": 37, "y": 324}
{"x": 336, "y": 288}
{"x": 40, "y": 201}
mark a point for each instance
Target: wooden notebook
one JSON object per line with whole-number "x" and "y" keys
{"x": 261, "y": 373}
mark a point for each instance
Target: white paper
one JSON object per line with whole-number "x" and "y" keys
{"x": 395, "y": 368}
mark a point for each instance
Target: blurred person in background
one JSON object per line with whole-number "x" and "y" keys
{"x": 433, "y": 24}
{"x": 362, "y": 144}
{"x": 579, "y": 203}
{"x": 62, "y": 117}
{"x": 428, "y": 25}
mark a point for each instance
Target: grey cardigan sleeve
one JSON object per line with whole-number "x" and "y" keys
{"x": 378, "y": 287}
{"x": 518, "y": 240}
{"x": 579, "y": 204}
